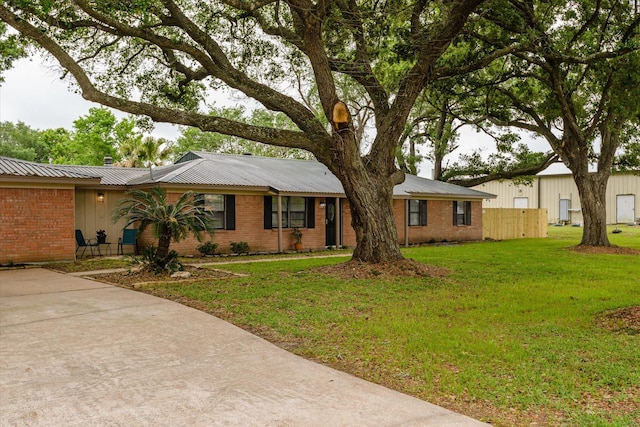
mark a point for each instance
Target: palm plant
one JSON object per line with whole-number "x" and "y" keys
{"x": 168, "y": 221}
{"x": 142, "y": 152}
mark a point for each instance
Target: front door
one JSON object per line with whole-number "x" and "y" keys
{"x": 331, "y": 216}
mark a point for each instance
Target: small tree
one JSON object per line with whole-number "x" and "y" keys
{"x": 168, "y": 221}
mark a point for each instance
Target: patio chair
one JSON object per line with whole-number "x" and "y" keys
{"x": 83, "y": 243}
{"x": 128, "y": 238}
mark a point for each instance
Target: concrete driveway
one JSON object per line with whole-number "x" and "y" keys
{"x": 74, "y": 352}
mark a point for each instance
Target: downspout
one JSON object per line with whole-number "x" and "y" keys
{"x": 279, "y": 223}
{"x": 406, "y": 223}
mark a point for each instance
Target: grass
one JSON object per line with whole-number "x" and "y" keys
{"x": 89, "y": 264}
{"x": 101, "y": 263}
{"x": 511, "y": 336}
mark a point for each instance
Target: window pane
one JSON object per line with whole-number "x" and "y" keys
{"x": 414, "y": 212}
{"x": 218, "y": 219}
{"x": 463, "y": 217}
{"x": 414, "y": 218}
{"x": 297, "y": 204}
{"x": 293, "y": 212}
{"x": 214, "y": 204}
{"x": 297, "y": 219}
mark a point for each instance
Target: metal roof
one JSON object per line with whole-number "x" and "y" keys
{"x": 292, "y": 176}
{"x": 225, "y": 170}
{"x": 284, "y": 175}
{"x": 417, "y": 186}
{"x": 109, "y": 175}
{"x": 17, "y": 167}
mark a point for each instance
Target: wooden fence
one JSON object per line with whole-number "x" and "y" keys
{"x": 503, "y": 223}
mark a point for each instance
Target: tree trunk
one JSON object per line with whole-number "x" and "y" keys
{"x": 163, "y": 243}
{"x": 368, "y": 184}
{"x": 438, "y": 158}
{"x": 373, "y": 220}
{"x": 592, "y": 189}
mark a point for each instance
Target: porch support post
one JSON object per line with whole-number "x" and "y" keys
{"x": 279, "y": 223}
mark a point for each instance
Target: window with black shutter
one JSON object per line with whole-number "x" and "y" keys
{"x": 461, "y": 213}
{"x": 417, "y": 212}
{"x": 297, "y": 212}
{"x": 221, "y": 208}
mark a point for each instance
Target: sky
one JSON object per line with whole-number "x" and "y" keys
{"x": 34, "y": 94}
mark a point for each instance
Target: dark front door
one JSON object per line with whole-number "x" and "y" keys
{"x": 331, "y": 216}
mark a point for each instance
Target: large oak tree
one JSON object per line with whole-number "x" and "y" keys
{"x": 160, "y": 58}
{"x": 575, "y": 81}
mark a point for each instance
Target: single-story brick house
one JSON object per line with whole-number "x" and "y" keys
{"x": 41, "y": 205}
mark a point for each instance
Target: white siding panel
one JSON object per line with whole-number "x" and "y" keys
{"x": 506, "y": 191}
{"x": 551, "y": 188}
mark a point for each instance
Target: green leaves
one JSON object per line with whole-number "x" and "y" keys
{"x": 167, "y": 221}
{"x": 10, "y": 49}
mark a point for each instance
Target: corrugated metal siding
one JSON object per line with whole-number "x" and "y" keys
{"x": 555, "y": 187}
{"x": 506, "y": 192}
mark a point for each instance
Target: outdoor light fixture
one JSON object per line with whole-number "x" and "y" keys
{"x": 101, "y": 197}
{"x": 322, "y": 205}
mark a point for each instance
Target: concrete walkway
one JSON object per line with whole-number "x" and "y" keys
{"x": 74, "y": 352}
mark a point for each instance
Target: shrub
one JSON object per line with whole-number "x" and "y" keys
{"x": 150, "y": 261}
{"x": 208, "y": 248}
{"x": 240, "y": 247}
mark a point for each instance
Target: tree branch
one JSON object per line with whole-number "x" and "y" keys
{"x": 283, "y": 138}
{"x": 494, "y": 176}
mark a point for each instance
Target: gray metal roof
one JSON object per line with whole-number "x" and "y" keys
{"x": 291, "y": 176}
{"x": 284, "y": 175}
{"x": 417, "y": 186}
{"x": 224, "y": 170}
{"x": 109, "y": 175}
{"x": 17, "y": 167}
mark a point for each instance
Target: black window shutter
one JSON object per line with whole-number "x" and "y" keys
{"x": 455, "y": 212}
{"x": 230, "y": 211}
{"x": 311, "y": 212}
{"x": 423, "y": 212}
{"x": 267, "y": 213}
{"x": 467, "y": 213}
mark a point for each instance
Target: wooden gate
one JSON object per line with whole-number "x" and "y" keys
{"x": 504, "y": 223}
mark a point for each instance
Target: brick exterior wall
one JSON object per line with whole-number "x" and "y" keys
{"x": 440, "y": 223}
{"x": 250, "y": 227}
{"x": 36, "y": 225}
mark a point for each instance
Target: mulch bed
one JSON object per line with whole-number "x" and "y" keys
{"x": 612, "y": 250}
{"x": 403, "y": 268}
{"x": 622, "y": 320}
{"x": 129, "y": 279}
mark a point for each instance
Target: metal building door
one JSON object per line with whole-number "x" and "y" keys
{"x": 625, "y": 208}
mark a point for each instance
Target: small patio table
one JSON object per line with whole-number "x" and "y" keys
{"x": 107, "y": 249}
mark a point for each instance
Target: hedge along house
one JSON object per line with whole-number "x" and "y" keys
{"x": 253, "y": 199}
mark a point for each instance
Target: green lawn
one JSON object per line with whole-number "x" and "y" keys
{"x": 511, "y": 336}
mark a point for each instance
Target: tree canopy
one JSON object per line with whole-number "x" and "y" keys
{"x": 574, "y": 81}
